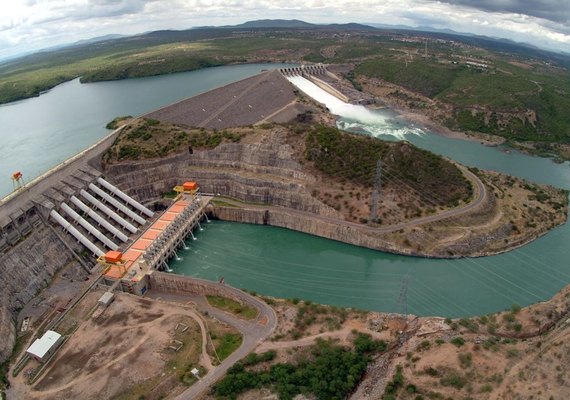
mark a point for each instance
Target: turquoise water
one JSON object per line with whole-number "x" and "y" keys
{"x": 288, "y": 264}
{"x": 39, "y": 133}
{"x": 283, "y": 263}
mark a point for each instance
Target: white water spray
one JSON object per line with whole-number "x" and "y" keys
{"x": 358, "y": 118}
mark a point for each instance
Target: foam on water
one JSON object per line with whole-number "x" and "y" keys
{"x": 355, "y": 117}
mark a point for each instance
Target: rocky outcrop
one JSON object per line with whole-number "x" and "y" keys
{"x": 261, "y": 172}
{"x": 26, "y": 269}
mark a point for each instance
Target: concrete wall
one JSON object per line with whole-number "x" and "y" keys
{"x": 170, "y": 283}
{"x": 327, "y": 88}
{"x": 312, "y": 226}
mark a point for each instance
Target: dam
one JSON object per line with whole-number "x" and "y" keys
{"x": 33, "y": 251}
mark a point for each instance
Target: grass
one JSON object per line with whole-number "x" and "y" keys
{"x": 227, "y": 344}
{"x": 233, "y": 307}
{"x": 148, "y": 138}
{"x": 221, "y": 203}
{"x": 492, "y": 100}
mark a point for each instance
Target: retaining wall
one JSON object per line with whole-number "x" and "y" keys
{"x": 170, "y": 283}
{"x": 312, "y": 226}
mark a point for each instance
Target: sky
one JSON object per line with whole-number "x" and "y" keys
{"x": 30, "y": 25}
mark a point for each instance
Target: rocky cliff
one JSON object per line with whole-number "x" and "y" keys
{"x": 313, "y": 226}
{"x": 260, "y": 170}
{"x": 26, "y": 269}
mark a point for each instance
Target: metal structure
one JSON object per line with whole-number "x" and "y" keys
{"x": 165, "y": 245}
{"x": 97, "y": 218}
{"x": 127, "y": 199}
{"x": 17, "y": 180}
{"x": 119, "y": 206}
{"x": 376, "y": 192}
{"x": 127, "y": 225}
{"x": 90, "y": 228}
{"x": 75, "y": 233}
{"x": 121, "y": 264}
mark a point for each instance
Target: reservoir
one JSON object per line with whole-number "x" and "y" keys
{"x": 41, "y": 132}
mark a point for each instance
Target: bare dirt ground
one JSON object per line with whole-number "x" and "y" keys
{"x": 124, "y": 353}
{"x": 516, "y": 354}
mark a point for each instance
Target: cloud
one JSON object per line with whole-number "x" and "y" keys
{"x": 552, "y": 10}
{"x": 32, "y": 24}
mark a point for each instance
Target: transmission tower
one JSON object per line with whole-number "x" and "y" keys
{"x": 402, "y": 305}
{"x": 376, "y": 192}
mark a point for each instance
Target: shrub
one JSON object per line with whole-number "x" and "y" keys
{"x": 424, "y": 345}
{"x": 455, "y": 380}
{"x": 458, "y": 341}
{"x": 465, "y": 360}
{"x": 469, "y": 324}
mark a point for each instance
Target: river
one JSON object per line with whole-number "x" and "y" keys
{"x": 41, "y": 132}
{"x": 289, "y": 264}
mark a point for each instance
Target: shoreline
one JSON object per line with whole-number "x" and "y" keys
{"x": 341, "y": 231}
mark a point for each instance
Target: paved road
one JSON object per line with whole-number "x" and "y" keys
{"x": 479, "y": 197}
{"x": 254, "y": 333}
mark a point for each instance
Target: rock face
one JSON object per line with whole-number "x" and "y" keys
{"x": 7, "y": 331}
{"x": 261, "y": 172}
{"x": 27, "y": 268}
{"x": 313, "y": 226}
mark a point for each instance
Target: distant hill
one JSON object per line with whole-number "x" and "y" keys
{"x": 288, "y": 24}
{"x": 98, "y": 39}
{"x": 274, "y": 23}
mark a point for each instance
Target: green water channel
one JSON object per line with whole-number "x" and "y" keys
{"x": 288, "y": 264}
{"x": 41, "y": 132}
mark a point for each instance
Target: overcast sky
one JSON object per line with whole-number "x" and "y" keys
{"x": 27, "y": 25}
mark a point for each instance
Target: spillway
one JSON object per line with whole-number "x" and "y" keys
{"x": 374, "y": 122}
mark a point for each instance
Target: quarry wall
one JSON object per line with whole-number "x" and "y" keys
{"x": 257, "y": 173}
{"x": 26, "y": 269}
{"x": 311, "y": 226}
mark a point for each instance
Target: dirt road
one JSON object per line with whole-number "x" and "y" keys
{"x": 254, "y": 332}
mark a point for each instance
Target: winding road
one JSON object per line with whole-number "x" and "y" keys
{"x": 480, "y": 195}
{"x": 254, "y": 332}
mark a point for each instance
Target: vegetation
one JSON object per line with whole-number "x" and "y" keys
{"x": 232, "y": 306}
{"x": 517, "y": 101}
{"x": 116, "y": 122}
{"x": 228, "y": 343}
{"x": 354, "y": 157}
{"x": 148, "y": 138}
{"x": 492, "y": 87}
{"x": 326, "y": 371}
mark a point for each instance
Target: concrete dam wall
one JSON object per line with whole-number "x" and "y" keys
{"x": 32, "y": 251}
{"x": 26, "y": 269}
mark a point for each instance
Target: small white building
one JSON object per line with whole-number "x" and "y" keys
{"x": 45, "y": 346}
{"x": 106, "y": 299}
